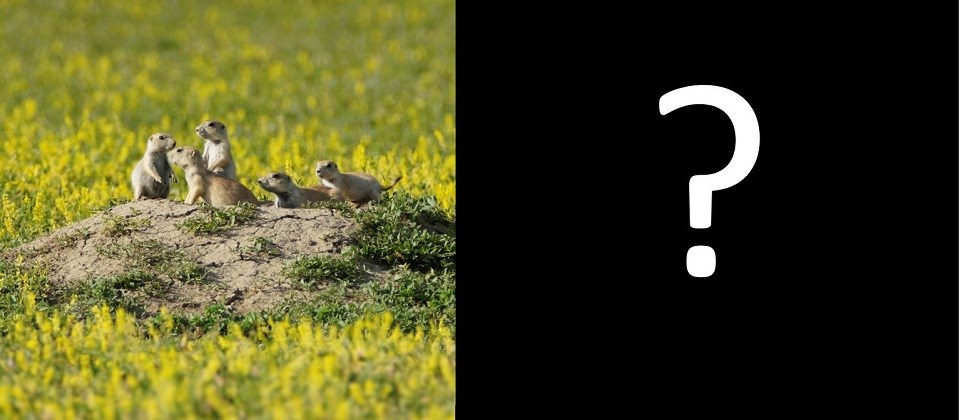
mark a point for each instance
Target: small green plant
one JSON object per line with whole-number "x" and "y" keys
{"x": 124, "y": 290}
{"x": 218, "y": 219}
{"x": 187, "y": 271}
{"x": 417, "y": 298}
{"x": 160, "y": 259}
{"x": 340, "y": 206}
{"x": 401, "y": 229}
{"x": 132, "y": 280}
{"x": 71, "y": 238}
{"x": 260, "y": 247}
{"x": 157, "y": 287}
{"x": 215, "y": 317}
{"x": 308, "y": 271}
{"x": 119, "y": 226}
{"x": 338, "y": 303}
{"x": 147, "y": 282}
{"x": 150, "y": 253}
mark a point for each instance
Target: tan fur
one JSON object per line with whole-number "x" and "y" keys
{"x": 288, "y": 194}
{"x": 356, "y": 187}
{"x": 151, "y": 175}
{"x": 213, "y": 188}
{"x": 320, "y": 189}
{"x": 216, "y": 148}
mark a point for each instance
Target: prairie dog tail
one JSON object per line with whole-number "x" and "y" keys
{"x": 395, "y": 181}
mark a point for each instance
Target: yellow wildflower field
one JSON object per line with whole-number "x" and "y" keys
{"x": 368, "y": 84}
{"x": 55, "y": 367}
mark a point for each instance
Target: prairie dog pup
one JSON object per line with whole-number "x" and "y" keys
{"x": 356, "y": 187}
{"x": 216, "y": 148}
{"x": 214, "y": 189}
{"x": 289, "y": 195}
{"x": 151, "y": 175}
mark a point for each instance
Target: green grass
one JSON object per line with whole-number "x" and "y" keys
{"x": 411, "y": 237}
{"x": 125, "y": 290}
{"x": 187, "y": 271}
{"x": 159, "y": 259}
{"x": 340, "y": 206}
{"x": 214, "y": 318}
{"x": 308, "y": 271}
{"x": 72, "y": 238}
{"x": 260, "y": 247}
{"x": 417, "y": 300}
{"x": 218, "y": 219}
{"x": 121, "y": 226}
{"x": 402, "y": 229}
{"x": 150, "y": 253}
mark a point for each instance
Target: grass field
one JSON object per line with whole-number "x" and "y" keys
{"x": 368, "y": 84}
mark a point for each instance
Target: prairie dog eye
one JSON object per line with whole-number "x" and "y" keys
{"x": 162, "y": 137}
{"x": 275, "y": 176}
{"x": 212, "y": 124}
{"x": 329, "y": 164}
{"x": 179, "y": 149}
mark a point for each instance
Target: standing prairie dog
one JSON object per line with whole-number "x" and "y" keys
{"x": 356, "y": 187}
{"x": 151, "y": 175}
{"x": 216, "y": 148}
{"x": 213, "y": 188}
{"x": 289, "y": 195}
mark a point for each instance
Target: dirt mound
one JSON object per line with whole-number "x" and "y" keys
{"x": 167, "y": 251}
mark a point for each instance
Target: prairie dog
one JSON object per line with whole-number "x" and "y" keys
{"x": 213, "y": 188}
{"x": 356, "y": 187}
{"x": 216, "y": 148}
{"x": 324, "y": 190}
{"x": 152, "y": 174}
{"x": 289, "y": 195}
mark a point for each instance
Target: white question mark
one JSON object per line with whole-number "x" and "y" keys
{"x": 702, "y": 260}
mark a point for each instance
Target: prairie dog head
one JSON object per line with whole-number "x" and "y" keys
{"x": 276, "y": 182}
{"x": 327, "y": 170}
{"x": 212, "y": 130}
{"x": 186, "y": 156}
{"x": 160, "y": 142}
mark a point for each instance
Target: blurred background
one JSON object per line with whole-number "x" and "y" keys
{"x": 369, "y": 84}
